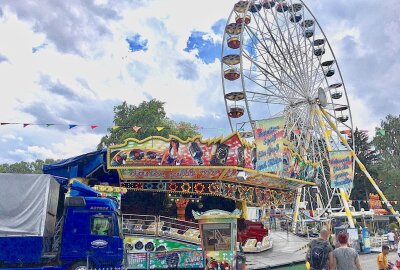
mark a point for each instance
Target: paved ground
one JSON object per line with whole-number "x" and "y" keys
{"x": 368, "y": 261}
{"x": 287, "y": 249}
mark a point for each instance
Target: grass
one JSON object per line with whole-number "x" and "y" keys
{"x": 294, "y": 267}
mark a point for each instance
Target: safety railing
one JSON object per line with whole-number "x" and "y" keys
{"x": 140, "y": 224}
{"x": 161, "y": 226}
{"x": 179, "y": 229}
{"x": 377, "y": 242}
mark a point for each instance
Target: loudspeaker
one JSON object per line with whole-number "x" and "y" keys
{"x": 220, "y": 156}
{"x": 254, "y": 157}
{"x": 240, "y": 157}
{"x": 196, "y": 152}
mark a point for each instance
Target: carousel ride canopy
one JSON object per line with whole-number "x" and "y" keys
{"x": 227, "y": 167}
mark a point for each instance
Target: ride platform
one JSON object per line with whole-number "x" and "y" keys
{"x": 288, "y": 249}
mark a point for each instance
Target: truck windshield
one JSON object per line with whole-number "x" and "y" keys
{"x": 101, "y": 225}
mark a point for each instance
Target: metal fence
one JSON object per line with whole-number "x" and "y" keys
{"x": 161, "y": 226}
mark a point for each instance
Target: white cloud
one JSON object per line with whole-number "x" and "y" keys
{"x": 71, "y": 145}
{"x": 363, "y": 117}
{"x": 101, "y": 72}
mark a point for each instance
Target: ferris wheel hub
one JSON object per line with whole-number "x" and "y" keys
{"x": 321, "y": 99}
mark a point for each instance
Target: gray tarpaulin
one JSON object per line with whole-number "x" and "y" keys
{"x": 28, "y": 204}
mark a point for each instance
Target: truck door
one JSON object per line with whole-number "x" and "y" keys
{"x": 75, "y": 233}
{"x": 103, "y": 247}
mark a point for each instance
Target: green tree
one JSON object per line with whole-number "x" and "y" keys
{"x": 386, "y": 142}
{"x": 368, "y": 156}
{"x": 148, "y": 115}
{"x": 25, "y": 167}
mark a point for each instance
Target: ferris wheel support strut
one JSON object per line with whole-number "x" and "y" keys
{"x": 362, "y": 167}
{"x": 342, "y": 191}
{"x": 296, "y": 210}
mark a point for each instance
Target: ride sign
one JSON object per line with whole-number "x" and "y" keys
{"x": 269, "y": 142}
{"x": 341, "y": 169}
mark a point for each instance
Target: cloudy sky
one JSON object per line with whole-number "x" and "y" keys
{"x": 71, "y": 62}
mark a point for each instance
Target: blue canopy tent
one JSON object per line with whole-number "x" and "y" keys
{"x": 92, "y": 165}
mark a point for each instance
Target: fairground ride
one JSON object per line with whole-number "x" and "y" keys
{"x": 277, "y": 62}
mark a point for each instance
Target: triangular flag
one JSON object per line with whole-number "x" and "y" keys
{"x": 382, "y": 132}
{"x": 159, "y": 128}
{"x": 4, "y": 124}
{"x": 296, "y": 131}
{"x": 115, "y": 127}
{"x": 47, "y": 125}
{"x": 72, "y": 126}
{"x": 221, "y": 129}
{"x": 93, "y": 126}
{"x": 346, "y": 132}
{"x": 136, "y": 128}
{"x": 25, "y": 125}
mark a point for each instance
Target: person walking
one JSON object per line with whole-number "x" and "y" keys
{"x": 272, "y": 218}
{"x": 382, "y": 260}
{"x": 345, "y": 257}
{"x": 398, "y": 253}
{"x": 391, "y": 238}
{"x": 319, "y": 255}
{"x": 398, "y": 249}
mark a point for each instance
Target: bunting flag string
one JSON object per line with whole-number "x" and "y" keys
{"x": 135, "y": 128}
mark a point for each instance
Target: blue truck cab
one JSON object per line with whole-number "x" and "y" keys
{"x": 87, "y": 234}
{"x": 91, "y": 233}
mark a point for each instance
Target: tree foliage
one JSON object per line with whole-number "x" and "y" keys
{"x": 148, "y": 115}
{"x": 387, "y": 142}
{"x": 364, "y": 150}
{"x": 25, "y": 167}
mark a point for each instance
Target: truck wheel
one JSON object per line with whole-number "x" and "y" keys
{"x": 80, "y": 265}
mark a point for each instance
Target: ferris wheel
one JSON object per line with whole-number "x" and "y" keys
{"x": 277, "y": 61}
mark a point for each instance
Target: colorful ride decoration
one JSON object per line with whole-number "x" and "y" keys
{"x": 341, "y": 167}
{"x": 158, "y": 151}
{"x": 181, "y": 207}
{"x": 111, "y": 192}
{"x": 375, "y": 205}
{"x": 240, "y": 192}
{"x": 276, "y": 154}
{"x": 219, "y": 167}
{"x": 139, "y": 243}
{"x": 218, "y": 237}
{"x": 157, "y": 253}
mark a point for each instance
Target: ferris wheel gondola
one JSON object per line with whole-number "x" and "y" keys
{"x": 277, "y": 61}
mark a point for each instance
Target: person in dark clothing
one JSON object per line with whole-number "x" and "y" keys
{"x": 320, "y": 255}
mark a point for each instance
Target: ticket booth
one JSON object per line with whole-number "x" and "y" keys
{"x": 218, "y": 237}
